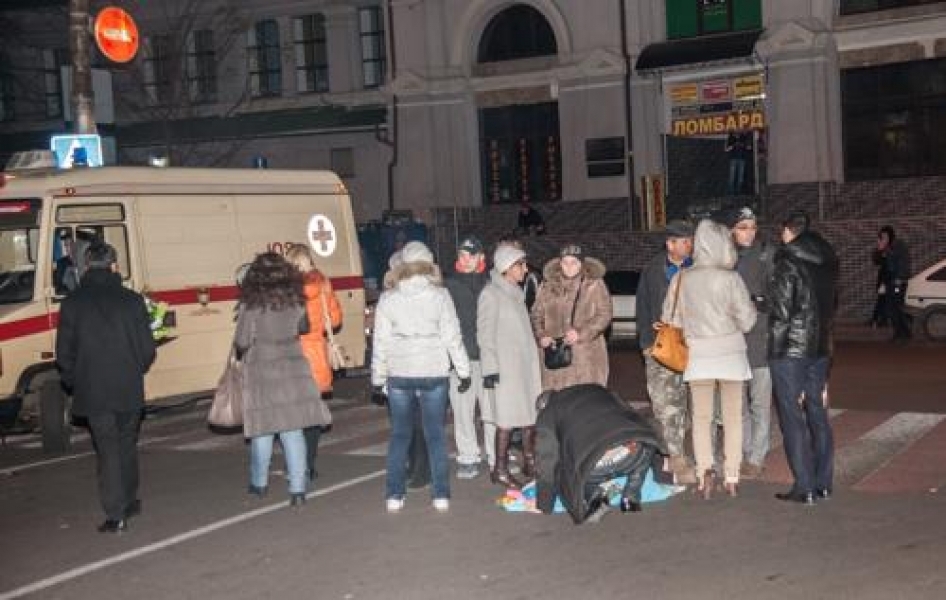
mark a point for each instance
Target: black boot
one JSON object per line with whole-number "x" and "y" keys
{"x": 501, "y": 474}
{"x": 528, "y": 452}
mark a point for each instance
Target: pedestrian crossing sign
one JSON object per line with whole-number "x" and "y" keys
{"x": 78, "y": 150}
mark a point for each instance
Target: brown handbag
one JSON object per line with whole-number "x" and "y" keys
{"x": 670, "y": 347}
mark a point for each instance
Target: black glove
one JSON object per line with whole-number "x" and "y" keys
{"x": 378, "y": 397}
{"x": 465, "y": 383}
{"x": 490, "y": 381}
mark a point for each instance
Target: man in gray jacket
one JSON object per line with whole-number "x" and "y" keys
{"x": 668, "y": 392}
{"x": 755, "y": 267}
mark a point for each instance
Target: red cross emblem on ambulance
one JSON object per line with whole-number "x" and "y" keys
{"x": 322, "y": 236}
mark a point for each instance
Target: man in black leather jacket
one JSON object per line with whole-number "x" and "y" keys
{"x": 802, "y": 296}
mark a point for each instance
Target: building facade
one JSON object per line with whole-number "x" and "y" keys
{"x": 466, "y": 103}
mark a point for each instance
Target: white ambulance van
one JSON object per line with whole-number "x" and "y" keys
{"x": 181, "y": 235}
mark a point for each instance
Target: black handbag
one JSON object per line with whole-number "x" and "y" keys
{"x": 558, "y": 354}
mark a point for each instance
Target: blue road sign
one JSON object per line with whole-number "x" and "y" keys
{"x": 80, "y": 150}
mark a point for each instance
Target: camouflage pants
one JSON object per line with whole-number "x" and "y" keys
{"x": 668, "y": 396}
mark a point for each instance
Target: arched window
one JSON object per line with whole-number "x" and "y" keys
{"x": 520, "y": 31}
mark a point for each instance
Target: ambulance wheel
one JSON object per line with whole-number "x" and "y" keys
{"x": 55, "y": 409}
{"x": 934, "y": 324}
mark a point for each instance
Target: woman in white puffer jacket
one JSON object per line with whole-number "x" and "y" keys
{"x": 715, "y": 311}
{"x": 416, "y": 338}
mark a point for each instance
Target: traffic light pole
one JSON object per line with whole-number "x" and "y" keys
{"x": 80, "y": 46}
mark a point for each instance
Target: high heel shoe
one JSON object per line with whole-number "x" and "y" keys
{"x": 732, "y": 488}
{"x": 706, "y": 484}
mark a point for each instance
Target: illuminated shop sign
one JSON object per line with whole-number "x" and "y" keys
{"x": 716, "y": 107}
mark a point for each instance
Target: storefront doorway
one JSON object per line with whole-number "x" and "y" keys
{"x": 520, "y": 153}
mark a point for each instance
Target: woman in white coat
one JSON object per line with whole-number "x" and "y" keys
{"x": 714, "y": 308}
{"x": 510, "y": 361}
{"x": 416, "y": 341}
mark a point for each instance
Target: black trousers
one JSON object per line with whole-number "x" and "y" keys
{"x": 115, "y": 437}
{"x": 312, "y": 435}
{"x": 898, "y": 317}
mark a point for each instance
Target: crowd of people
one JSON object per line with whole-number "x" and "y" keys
{"x": 757, "y": 318}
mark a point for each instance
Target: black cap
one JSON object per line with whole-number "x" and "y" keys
{"x": 471, "y": 244}
{"x": 572, "y": 250}
{"x": 678, "y": 229}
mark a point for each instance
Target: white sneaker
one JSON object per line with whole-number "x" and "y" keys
{"x": 394, "y": 504}
{"x": 442, "y": 504}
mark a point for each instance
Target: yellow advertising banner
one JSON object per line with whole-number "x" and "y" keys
{"x": 719, "y": 123}
{"x": 747, "y": 87}
{"x": 687, "y": 93}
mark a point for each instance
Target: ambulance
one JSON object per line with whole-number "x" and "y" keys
{"x": 182, "y": 235}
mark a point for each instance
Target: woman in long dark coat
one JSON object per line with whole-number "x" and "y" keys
{"x": 280, "y": 395}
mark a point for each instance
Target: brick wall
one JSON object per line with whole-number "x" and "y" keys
{"x": 848, "y": 215}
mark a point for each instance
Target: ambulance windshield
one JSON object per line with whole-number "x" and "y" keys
{"x": 19, "y": 242}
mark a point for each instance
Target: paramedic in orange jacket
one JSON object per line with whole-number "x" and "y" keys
{"x": 314, "y": 345}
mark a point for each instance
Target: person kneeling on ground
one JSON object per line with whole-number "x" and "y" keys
{"x": 586, "y": 437}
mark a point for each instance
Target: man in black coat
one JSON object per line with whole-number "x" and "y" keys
{"x": 104, "y": 347}
{"x": 894, "y": 258}
{"x": 801, "y": 313}
{"x": 579, "y": 426}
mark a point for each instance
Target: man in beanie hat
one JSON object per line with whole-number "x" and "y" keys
{"x": 508, "y": 356}
{"x": 465, "y": 284}
{"x": 668, "y": 393}
{"x": 754, "y": 265}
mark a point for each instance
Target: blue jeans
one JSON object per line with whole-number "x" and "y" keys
{"x": 404, "y": 393}
{"x": 293, "y": 448}
{"x": 809, "y": 443}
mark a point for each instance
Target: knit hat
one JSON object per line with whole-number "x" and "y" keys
{"x": 506, "y": 256}
{"x": 678, "y": 229}
{"x": 572, "y": 250}
{"x": 471, "y": 244}
{"x": 416, "y": 252}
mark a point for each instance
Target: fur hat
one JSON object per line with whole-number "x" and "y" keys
{"x": 416, "y": 252}
{"x": 506, "y": 256}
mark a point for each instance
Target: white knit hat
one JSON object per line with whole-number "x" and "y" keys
{"x": 416, "y": 252}
{"x": 506, "y": 256}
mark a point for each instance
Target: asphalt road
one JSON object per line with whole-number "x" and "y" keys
{"x": 201, "y": 536}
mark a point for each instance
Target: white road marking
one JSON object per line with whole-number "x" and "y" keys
{"x": 77, "y": 572}
{"x": 375, "y": 450}
{"x": 59, "y": 459}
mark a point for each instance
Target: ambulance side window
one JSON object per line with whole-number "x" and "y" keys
{"x": 69, "y": 248}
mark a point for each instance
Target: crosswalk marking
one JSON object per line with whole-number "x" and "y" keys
{"x": 875, "y": 451}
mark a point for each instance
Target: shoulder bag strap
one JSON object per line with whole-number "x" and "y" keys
{"x": 326, "y": 318}
{"x": 676, "y": 294}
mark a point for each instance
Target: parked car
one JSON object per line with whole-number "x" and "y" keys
{"x": 622, "y": 286}
{"x": 926, "y": 300}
